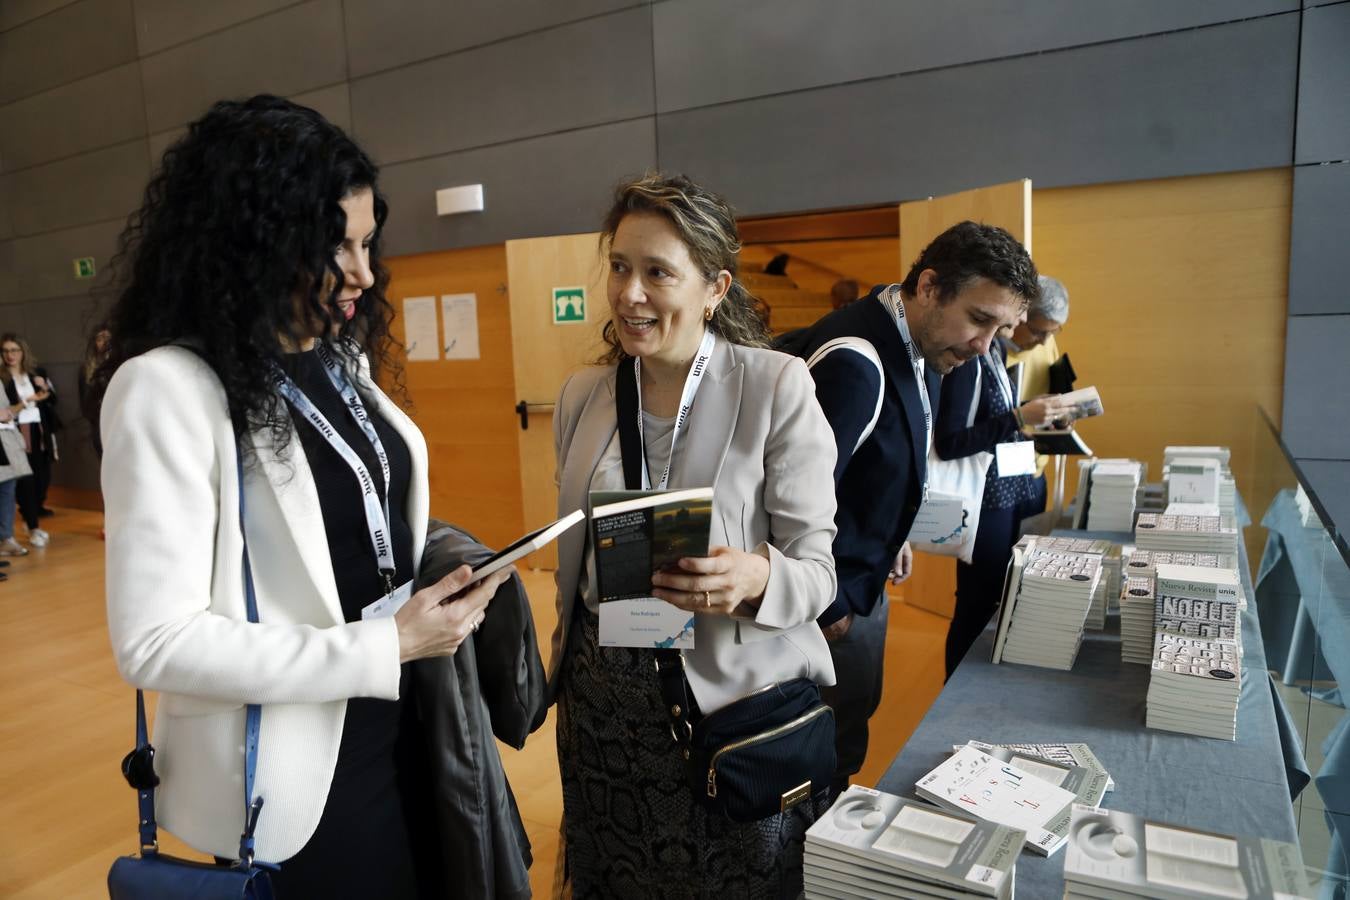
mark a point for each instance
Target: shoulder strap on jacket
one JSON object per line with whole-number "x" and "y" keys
{"x": 863, "y": 348}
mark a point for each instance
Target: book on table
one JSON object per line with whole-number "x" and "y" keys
{"x": 1088, "y": 784}
{"x": 975, "y": 783}
{"x": 1067, "y": 754}
{"x": 635, "y": 534}
{"x": 1054, "y": 595}
{"x": 1195, "y": 686}
{"x": 1115, "y": 854}
{"x": 1138, "y": 612}
{"x": 874, "y": 844}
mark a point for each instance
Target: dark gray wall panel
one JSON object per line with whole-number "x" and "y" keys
{"x": 711, "y": 51}
{"x": 73, "y": 42}
{"x": 332, "y": 102}
{"x": 1210, "y": 100}
{"x": 91, "y": 187}
{"x": 1316, "y": 404}
{"x": 38, "y": 267}
{"x": 297, "y": 49}
{"x": 1324, "y": 85}
{"x": 79, "y": 465}
{"x": 383, "y": 34}
{"x": 93, "y": 112}
{"x": 14, "y": 13}
{"x": 164, "y": 23}
{"x": 1330, "y": 480}
{"x": 1319, "y": 236}
{"x": 583, "y": 74}
{"x": 560, "y": 184}
{"x": 6, "y": 226}
{"x": 57, "y": 329}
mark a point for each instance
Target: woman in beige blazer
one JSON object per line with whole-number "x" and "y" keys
{"x": 252, "y": 273}
{"x": 753, "y": 431}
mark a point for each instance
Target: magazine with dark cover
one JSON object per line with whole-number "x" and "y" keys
{"x": 1059, "y": 442}
{"x": 1062, "y": 375}
{"x": 1134, "y": 857}
{"x": 885, "y": 838}
{"x": 633, "y": 535}
{"x": 977, "y": 784}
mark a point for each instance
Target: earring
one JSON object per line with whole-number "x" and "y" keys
{"x": 708, "y": 313}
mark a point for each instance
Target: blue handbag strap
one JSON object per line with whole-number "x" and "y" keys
{"x": 252, "y": 723}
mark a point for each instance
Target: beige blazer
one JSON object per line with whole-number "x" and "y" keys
{"x": 176, "y": 605}
{"x": 757, "y": 435}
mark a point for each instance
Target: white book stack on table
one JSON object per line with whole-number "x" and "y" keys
{"x": 974, "y": 783}
{"x": 1112, "y": 495}
{"x": 1197, "y": 601}
{"x": 1145, "y": 562}
{"x": 1195, "y": 686}
{"x": 1198, "y": 534}
{"x": 1137, "y": 612}
{"x": 1114, "y": 855}
{"x": 1109, "y": 585}
{"x": 872, "y": 844}
{"x": 1056, "y": 591}
{"x": 1227, "y": 494}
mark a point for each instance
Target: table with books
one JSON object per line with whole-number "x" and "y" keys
{"x": 1234, "y": 787}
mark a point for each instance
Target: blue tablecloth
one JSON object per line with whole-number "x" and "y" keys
{"x": 1235, "y": 787}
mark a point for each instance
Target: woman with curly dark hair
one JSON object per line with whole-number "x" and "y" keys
{"x": 250, "y": 315}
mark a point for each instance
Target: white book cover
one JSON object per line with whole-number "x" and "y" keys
{"x": 977, "y": 784}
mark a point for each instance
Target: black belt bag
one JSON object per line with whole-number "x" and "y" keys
{"x": 756, "y": 757}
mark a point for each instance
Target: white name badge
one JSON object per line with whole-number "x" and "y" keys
{"x": 645, "y": 622}
{"x": 1015, "y": 458}
{"x": 389, "y": 604}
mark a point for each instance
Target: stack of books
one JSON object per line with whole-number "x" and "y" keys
{"x": 1197, "y": 601}
{"x": 1071, "y": 754}
{"x": 1045, "y": 607}
{"x": 1089, "y": 784}
{"x": 871, "y": 844}
{"x": 1137, "y": 614}
{"x": 1195, "y": 685}
{"x": 974, "y": 783}
{"x": 1116, "y": 854}
{"x": 1112, "y": 495}
{"x": 1110, "y": 555}
{"x": 1198, "y": 534}
{"x": 1226, "y": 491}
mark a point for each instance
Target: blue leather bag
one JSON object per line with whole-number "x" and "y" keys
{"x": 151, "y": 875}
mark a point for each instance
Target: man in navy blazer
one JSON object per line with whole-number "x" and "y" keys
{"x": 877, "y": 365}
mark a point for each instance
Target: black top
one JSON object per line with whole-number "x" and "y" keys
{"x": 362, "y": 845}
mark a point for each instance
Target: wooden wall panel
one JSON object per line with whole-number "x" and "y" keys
{"x": 464, "y": 407}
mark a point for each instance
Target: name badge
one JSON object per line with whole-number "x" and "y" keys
{"x": 389, "y": 604}
{"x": 1015, "y": 458}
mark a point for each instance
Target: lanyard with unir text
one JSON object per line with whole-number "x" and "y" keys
{"x": 376, "y": 508}
{"x": 892, "y": 298}
{"x": 691, "y": 383}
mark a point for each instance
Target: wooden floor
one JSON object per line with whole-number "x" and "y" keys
{"x": 69, "y": 719}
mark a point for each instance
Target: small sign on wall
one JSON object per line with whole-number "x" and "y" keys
{"x": 84, "y": 267}
{"x": 569, "y": 305}
{"x": 419, "y": 329}
{"x": 459, "y": 324}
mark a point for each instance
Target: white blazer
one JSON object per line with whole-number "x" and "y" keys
{"x": 758, "y": 436}
{"x": 176, "y": 605}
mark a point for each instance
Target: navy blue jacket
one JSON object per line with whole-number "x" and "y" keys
{"x": 878, "y": 488}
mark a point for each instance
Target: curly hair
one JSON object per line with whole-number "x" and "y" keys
{"x": 970, "y": 250}
{"x": 232, "y": 252}
{"x": 707, "y": 225}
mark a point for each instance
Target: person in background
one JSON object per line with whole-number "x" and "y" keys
{"x": 756, "y": 435}
{"x": 8, "y": 545}
{"x": 843, "y": 292}
{"x": 875, "y": 365}
{"x": 250, "y": 324}
{"x": 30, "y": 397}
{"x": 1032, "y": 344}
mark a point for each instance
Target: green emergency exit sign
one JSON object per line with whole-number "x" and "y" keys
{"x": 84, "y": 267}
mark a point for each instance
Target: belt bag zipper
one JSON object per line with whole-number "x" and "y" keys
{"x": 757, "y": 739}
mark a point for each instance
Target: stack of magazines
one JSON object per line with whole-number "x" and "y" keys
{"x": 1195, "y": 685}
{"x": 1197, "y": 601}
{"x": 1226, "y": 495}
{"x": 1113, "y": 854}
{"x": 1198, "y": 534}
{"x": 1107, "y": 587}
{"x": 1071, "y": 754}
{"x": 871, "y": 844}
{"x": 1045, "y": 607}
{"x": 975, "y": 783}
{"x": 1137, "y": 613}
{"x": 1112, "y": 495}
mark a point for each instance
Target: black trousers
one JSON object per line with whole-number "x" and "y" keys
{"x": 979, "y": 583}
{"x": 31, "y": 490}
{"x": 856, "y": 693}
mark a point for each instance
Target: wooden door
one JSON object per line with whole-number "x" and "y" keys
{"x": 933, "y": 585}
{"x": 545, "y": 353}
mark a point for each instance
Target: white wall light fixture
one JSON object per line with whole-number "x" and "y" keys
{"x": 462, "y": 199}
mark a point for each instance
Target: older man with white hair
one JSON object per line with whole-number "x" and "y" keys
{"x": 1033, "y": 345}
